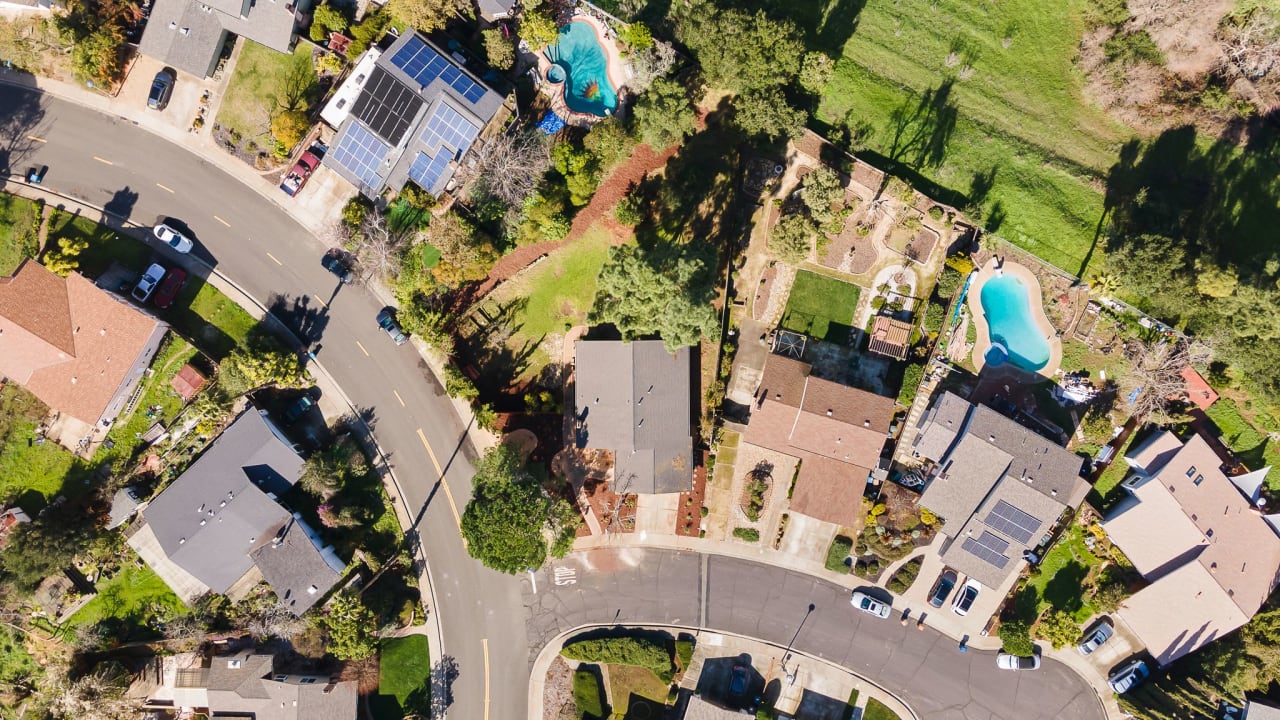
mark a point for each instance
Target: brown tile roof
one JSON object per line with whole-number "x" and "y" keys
{"x": 187, "y": 382}
{"x": 891, "y": 337}
{"x": 829, "y": 490}
{"x": 836, "y": 431}
{"x": 1198, "y": 390}
{"x": 70, "y": 343}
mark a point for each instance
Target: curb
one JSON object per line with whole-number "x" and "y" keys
{"x": 540, "y": 664}
{"x": 250, "y": 304}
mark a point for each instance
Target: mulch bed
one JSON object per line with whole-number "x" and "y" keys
{"x": 763, "y": 290}
{"x": 689, "y": 517}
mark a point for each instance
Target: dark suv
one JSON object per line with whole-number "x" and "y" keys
{"x": 161, "y": 89}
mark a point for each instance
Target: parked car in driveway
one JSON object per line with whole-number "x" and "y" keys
{"x": 1005, "y": 661}
{"x": 339, "y": 262}
{"x": 1129, "y": 676}
{"x": 387, "y": 321}
{"x": 299, "y": 408}
{"x": 965, "y": 597}
{"x": 148, "y": 282}
{"x": 941, "y": 589}
{"x": 161, "y": 89}
{"x": 174, "y": 239}
{"x": 870, "y": 605}
{"x": 1096, "y": 639}
{"x": 170, "y": 287}
{"x": 298, "y": 175}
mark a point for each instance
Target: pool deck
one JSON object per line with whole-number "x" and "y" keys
{"x": 613, "y": 66}
{"x": 991, "y": 270}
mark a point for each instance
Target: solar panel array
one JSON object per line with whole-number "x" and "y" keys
{"x": 1011, "y": 521}
{"x": 360, "y": 152}
{"x": 387, "y": 106}
{"x": 448, "y": 127}
{"x": 426, "y": 170}
{"x": 420, "y": 62}
{"x": 988, "y": 548}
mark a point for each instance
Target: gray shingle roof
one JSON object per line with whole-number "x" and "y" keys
{"x": 635, "y": 400}
{"x": 244, "y": 685}
{"x": 217, "y": 520}
{"x": 984, "y": 459}
{"x": 188, "y": 34}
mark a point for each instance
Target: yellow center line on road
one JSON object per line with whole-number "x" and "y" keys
{"x": 33, "y": 138}
{"x": 440, "y": 474}
{"x": 273, "y": 259}
{"x": 224, "y": 222}
{"x": 484, "y": 643}
{"x": 398, "y": 398}
{"x": 162, "y": 187}
{"x": 104, "y": 162}
{"x": 366, "y": 352}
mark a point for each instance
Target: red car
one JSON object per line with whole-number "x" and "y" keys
{"x": 170, "y": 287}
{"x": 301, "y": 172}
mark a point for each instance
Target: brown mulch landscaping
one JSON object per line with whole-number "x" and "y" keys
{"x": 689, "y": 518}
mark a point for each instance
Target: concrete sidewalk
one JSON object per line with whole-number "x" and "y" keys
{"x": 803, "y": 672}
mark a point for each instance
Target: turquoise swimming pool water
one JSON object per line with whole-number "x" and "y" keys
{"x": 579, "y": 54}
{"x": 1006, "y": 303}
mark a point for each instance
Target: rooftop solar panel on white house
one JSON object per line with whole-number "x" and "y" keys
{"x": 448, "y": 127}
{"x": 360, "y": 152}
{"x": 420, "y": 62}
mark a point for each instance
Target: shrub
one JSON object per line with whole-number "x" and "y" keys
{"x": 629, "y": 210}
{"x": 756, "y": 488}
{"x": 636, "y": 36}
{"x": 906, "y": 575}
{"x": 867, "y": 567}
{"x": 289, "y": 126}
{"x": 636, "y": 651}
{"x": 879, "y": 509}
{"x": 948, "y": 282}
{"x": 933, "y": 317}
{"x": 935, "y": 212}
{"x": 927, "y": 517}
{"x": 838, "y": 554}
{"x": 1059, "y": 628}
{"x": 586, "y": 693}
{"x": 911, "y": 376}
{"x": 684, "y": 651}
{"x": 1016, "y": 637}
{"x": 748, "y": 534}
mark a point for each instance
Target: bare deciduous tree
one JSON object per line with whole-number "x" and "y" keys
{"x": 511, "y": 164}
{"x": 1158, "y": 372}
{"x": 275, "y": 621}
{"x": 1252, "y": 42}
{"x": 98, "y": 695}
{"x": 650, "y": 64}
{"x": 376, "y": 244}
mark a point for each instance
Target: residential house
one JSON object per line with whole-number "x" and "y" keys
{"x": 80, "y": 349}
{"x": 246, "y": 685}
{"x": 837, "y": 433}
{"x": 891, "y": 338}
{"x": 9, "y": 519}
{"x": 999, "y": 487}
{"x": 1199, "y": 537}
{"x": 635, "y": 400}
{"x": 415, "y": 115}
{"x": 1257, "y": 710}
{"x": 219, "y": 527}
{"x": 492, "y": 10}
{"x": 698, "y": 709}
{"x": 189, "y": 35}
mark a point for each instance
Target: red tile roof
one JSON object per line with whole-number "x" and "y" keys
{"x": 70, "y": 343}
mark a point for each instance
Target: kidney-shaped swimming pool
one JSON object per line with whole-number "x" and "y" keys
{"x": 1015, "y": 336}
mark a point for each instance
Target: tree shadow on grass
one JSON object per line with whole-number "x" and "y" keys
{"x": 1063, "y": 592}
{"x": 922, "y": 133}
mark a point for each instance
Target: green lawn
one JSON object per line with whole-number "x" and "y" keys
{"x": 876, "y": 710}
{"x": 32, "y": 474}
{"x": 106, "y": 246}
{"x": 19, "y": 221}
{"x": 15, "y": 663}
{"x": 1019, "y": 116}
{"x": 1060, "y": 582}
{"x": 210, "y": 318}
{"x": 132, "y": 592}
{"x": 1249, "y": 443}
{"x": 405, "y": 665}
{"x": 264, "y": 83}
{"x": 625, "y": 680}
{"x": 821, "y": 307}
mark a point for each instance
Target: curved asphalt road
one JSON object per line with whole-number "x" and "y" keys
{"x": 925, "y": 669}
{"x": 110, "y": 162}
{"x": 490, "y": 620}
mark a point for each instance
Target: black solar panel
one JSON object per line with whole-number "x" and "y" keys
{"x": 387, "y": 106}
{"x": 988, "y": 548}
{"x": 1011, "y": 521}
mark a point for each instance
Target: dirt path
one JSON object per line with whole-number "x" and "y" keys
{"x": 643, "y": 161}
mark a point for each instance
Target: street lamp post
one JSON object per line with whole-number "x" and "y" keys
{"x": 786, "y": 654}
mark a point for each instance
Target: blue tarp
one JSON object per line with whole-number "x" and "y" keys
{"x": 551, "y": 123}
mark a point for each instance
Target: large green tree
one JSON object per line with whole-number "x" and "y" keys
{"x": 663, "y": 114}
{"x": 766, "y": 112}
{"x": 352, "y": 628}
{"x": 792, "y": 239}
{"x": 737, "y": 50}
{"x": 512, "y": 522}
{"x": 42, "y": 548}
{"x": 664, "y": 290}
{"x": 425, "y": 15}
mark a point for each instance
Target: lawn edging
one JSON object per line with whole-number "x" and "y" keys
{"x": 551, "y": 650}
{"x": 251, "y": 305}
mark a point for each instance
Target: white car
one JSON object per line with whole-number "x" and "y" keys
{"x": 174, "y": 239}
{"x": 1097, "y": 638}
{"x": 964, "y": 599}
{"x": 1005, "y": 661}
{"x": 147, "y": 284}
{"x": 1128, "y": 677}
{"x": 870, "y": 605}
